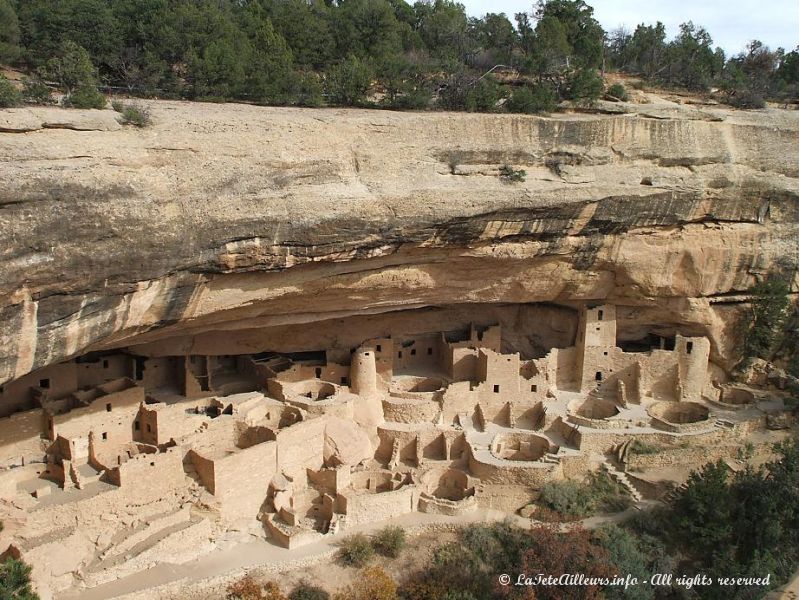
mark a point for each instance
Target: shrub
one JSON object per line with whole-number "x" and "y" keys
{"x": 540, "y": 98}
{"x": 306, "y": 591}
{"x": 746, "y": 451}
{"x": 36, "y": 91}
{"x": 576, "y": 500}
{"x": 389, "y": 541}
{"x": 453, "y": 93}
{"x": 617, "y": 92}
{"x": 247, "y": 588}
{"x": 373, "y": 583}
{"x": 639, "y": 447}
{"x": 133, "y": 114}
{"x": 483, "y": 96}
{"x": 9, "y": 95}
{"x": 85, "y": 96}
{"x": 585, "y": 87}
{"x": 356, "y": 550}
{"x": 627, "y": 556}
{"x": 567, "y": 498}
{"x": 309, "y": 90}
{"x": 510, "y": 175}
{"x": 15, "y": 577}
{"x": 349, "y": 81}
{"x": 745, "y": 99}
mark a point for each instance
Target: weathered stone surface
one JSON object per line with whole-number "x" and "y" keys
{"x": 229, "y": 216}
{"x": 345, "y": 443}
{"x": 23, "y": 120}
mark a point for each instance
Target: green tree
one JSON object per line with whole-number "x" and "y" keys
{"x": 690, "y": 60}
{"x": 584, "y": 34}
{"x": 367, "y": 29}
{"x": 627, "y": 556}
{"x": 9, "y": 33}
{"x": 585, "y": 86}
{"x": 15, "y": 581}
{"x": 306, "y": 27}
{"x": 76, "y": 76}
{"x": 550, "y": 50}
{"x": 9, "y": 95}
{"x": 703, "y": 511}
{"x": 349, "y": 81}
{"x": 496, "y": 36}
{"x": 535, "y": 99}
{"x": 766, "y": 319}
{"x": 442, "y": 25}
{"x": 644, "y": 54}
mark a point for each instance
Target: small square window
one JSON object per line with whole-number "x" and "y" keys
{"x": 136, "y": 425}
{"x": 44, "y": 384}
{"x": 105, "y": 435}
{"x": 413, "y": 352}
{"x": 379, "y": 348}
{"x": 598, "y": 376}
{"x": 149, "y": 429}
{"x": 399, "y": 354}
{"x": 343, "y": 381}
{"x": 496, "y": 389}
{"x": 600, "y": 314}
{"x": 605, "y": 353}
{"x": 689, "y": 347}
{"x": 318, "y": 373}
{"x": 108, "y": 407}
{"x": 105, "y": 364}
{"x": 152, "y": 464}
{"x": 429, "y": 352}
{"x": 597, "y": 328}
{"x": 534, "y": 388}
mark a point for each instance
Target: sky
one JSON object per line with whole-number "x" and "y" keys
{"x": 731, "y": 23}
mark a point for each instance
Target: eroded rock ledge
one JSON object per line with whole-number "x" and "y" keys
{"x": 225, "y": 217}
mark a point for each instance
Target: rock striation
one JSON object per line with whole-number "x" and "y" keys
{"x": 265, "y": 220}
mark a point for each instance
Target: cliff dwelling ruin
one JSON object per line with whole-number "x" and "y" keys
{"x": 151, "y": 450}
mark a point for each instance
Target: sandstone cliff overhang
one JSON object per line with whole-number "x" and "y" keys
{"x": 232, "y": 216}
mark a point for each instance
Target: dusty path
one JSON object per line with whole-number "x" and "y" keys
{"x": 261, "y": 553}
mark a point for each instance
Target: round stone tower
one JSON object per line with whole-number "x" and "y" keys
{"x": 363, "y": 372}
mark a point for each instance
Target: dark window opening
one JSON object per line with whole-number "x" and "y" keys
{"x": 599, "y": 315}
{"x": 399, "y": 354}
{"x": 429, "y": 352}
{"x": 149, "y": 428}
{"x": 318, "y": 373}
{"x": 597, "y": 328}
{"x": 2, "y": 389}
{"x": 44, "y": 383}
{"x": 105, "y": 435}
{"x": 496, "y": 389}
{"x": 598, "y": 376}
{"x": 152, "y": 464}
{"x": 139, "y": 368}
{"x": 379, "y": 348}
{"x": 343, "y": 381}
{"x": 105, "y": 364}
{"x": 108, "y": 407}
{"x": 534, "y": 388}
{"x": 136, "y": 425}
{"x": 605, "y": 353}
{"x": 689, "y": 346}
{"x": 413, "y": 352}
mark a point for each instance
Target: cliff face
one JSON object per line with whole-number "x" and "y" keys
{"x": 223, "y": 218}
